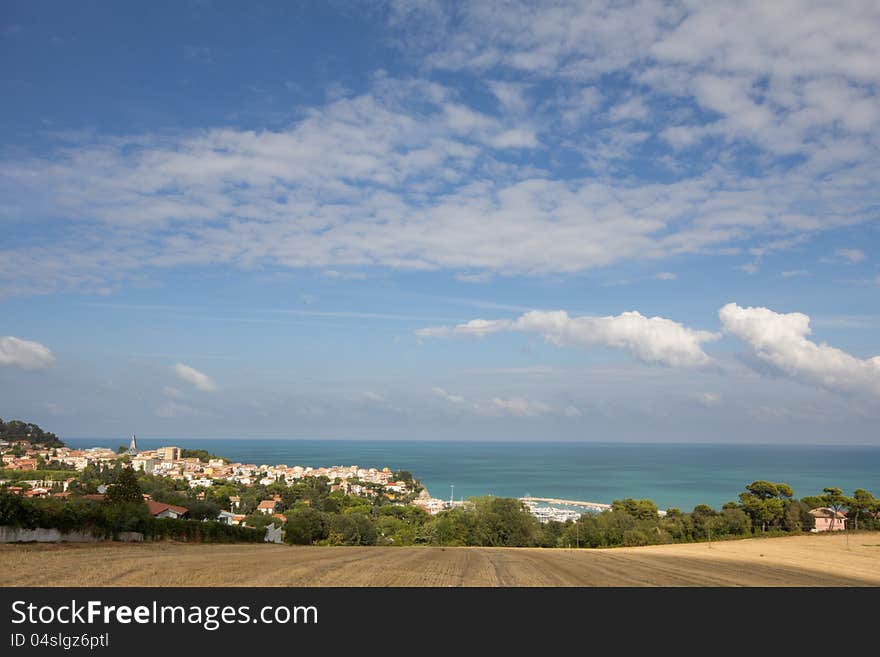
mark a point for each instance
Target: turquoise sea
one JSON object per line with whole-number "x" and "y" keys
{"x": 680, "y": 475}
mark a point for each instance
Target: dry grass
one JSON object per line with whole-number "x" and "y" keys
{"x": 818, "y": 560}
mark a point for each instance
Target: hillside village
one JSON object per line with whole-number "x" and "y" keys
{"x": 199, "y": 473}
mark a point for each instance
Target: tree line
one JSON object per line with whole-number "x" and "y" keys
{"x": 763, "y": 508}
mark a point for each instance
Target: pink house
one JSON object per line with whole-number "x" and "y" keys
{"x": 828, "y": 520}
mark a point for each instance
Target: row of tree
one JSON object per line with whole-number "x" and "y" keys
{"x": 494, "y": 521}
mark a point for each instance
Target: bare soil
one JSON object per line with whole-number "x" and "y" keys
{"x": 815, "y": 560}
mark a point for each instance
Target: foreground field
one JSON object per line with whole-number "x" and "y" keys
{"x": 823, "y": 560}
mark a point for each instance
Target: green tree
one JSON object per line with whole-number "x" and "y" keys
{"x": 763, "y": 501}
{"x": 640, "y": 509}
{"x": 862, "y": 503}
{"x": 125, "y": 489}
{"x": 351, "y": 529}
{"x": 834, "y": 499}
{"x": 704, "y": 519}
{"x": 259, "y": 520}
{"x": 735, "y": 521}
{"x": 305, "y": 527}
{"x": 796, "y": 516}
{"x": 503, "y": 521}
{"x": 203, "y": 510}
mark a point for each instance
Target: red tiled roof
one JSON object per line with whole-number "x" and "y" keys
{"x": 156, "y": 508}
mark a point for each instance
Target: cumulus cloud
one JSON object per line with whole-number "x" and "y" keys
{"x": 780, "y": 340}
{"x": 652, "y": 340}
{"x": 193, "y": 376}
{"x": 24, "y": 354}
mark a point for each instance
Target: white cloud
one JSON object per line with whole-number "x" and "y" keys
{"x": 666, "y": 276}
{"x": 198, "y": 379}
{"x": 511, "y": 95}
{"x": 633, "y": 109}
{"x": 25, "y": 354}
{"x": 475, "y": 328}
{"x": 408, "y": 175}
{"x": 373, "y": 400}
{"x": 520, "y": 407}
{"x": 499, "y": 406}
{"x": 399, "y": 177}
{"x": 452, "y": 399}
{"x": 652, "y": 340}
{"x": 780, "y": 339}
{"x": 791, "y": 273}
{"x": 515, "y": 138}
{"x": 853, "y": 256}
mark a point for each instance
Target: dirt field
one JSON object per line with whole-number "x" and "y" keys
{"x": 822, "y": 560}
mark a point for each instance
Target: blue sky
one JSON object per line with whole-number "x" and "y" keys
{"x": 575, "y": 221}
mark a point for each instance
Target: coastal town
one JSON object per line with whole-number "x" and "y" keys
{"x": 200, "y": 473}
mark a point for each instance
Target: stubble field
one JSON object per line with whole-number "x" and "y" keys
{"x": 817, "y": 560}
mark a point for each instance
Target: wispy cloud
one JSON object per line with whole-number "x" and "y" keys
{"x": 501, "y": 406}
{"x": 852, "y": 255}
{"x": 198, "y": 379}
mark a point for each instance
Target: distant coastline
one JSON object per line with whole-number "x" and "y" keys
{"x": 673, "y": 475}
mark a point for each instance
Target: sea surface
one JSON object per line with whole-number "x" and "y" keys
{"x": 672, "y": 475}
